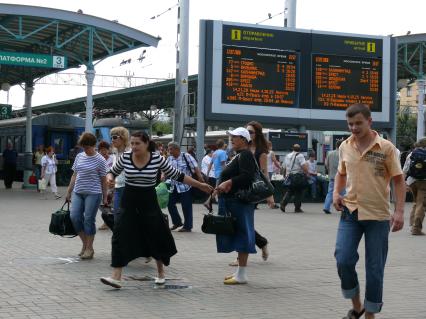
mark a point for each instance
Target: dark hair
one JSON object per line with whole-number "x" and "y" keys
{"x": 87, "y": 139}
{"x": 103, "y": 144}
{"x": 259, "y": 139}
{"x": 354, "y": 109}
{"x": 220, "y": 143}
{"x": 144, "y": 137}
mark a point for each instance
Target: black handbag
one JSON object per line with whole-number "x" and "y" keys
{"x": 107, "y": 216}
{"x": 259, "y": 190}
{"x": 295, "y": 180}
{"x": 217, "y": 224}
{"x": 60, "y": 222}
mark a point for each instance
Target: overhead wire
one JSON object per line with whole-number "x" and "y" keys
{"x": 270, "y": 16}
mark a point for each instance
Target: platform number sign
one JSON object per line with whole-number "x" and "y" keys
{"x": 58, "y": 62}
{"x": 5, "y": 111}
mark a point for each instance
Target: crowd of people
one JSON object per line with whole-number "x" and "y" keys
{"x": 124, "y": 174}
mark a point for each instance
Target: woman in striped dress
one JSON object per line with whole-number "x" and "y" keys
{"x": 142, "y": 230}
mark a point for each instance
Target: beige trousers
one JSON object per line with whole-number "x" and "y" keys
{"x": 417, "y": 215}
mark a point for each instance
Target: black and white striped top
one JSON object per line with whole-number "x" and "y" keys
{"x": 147, "y": 175}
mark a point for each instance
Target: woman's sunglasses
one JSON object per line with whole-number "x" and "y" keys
{"x": 114, "y": 137}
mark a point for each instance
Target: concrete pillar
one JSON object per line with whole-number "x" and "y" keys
{"x": 90, "y": 77}
{"x": 28, "y": 157}
{"x": 420, "y": 109}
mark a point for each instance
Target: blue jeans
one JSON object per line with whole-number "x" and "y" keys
{"x": 313, "y": 186}
{"x": 329, "y": 198}
{"x": 84, "y": 208}
{"x": 118, "y": 193}
{"x": 376, "y": 235}
{"x": 186, "y": 202}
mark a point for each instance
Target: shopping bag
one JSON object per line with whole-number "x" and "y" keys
{"x": 162, "y": 194}
{"x": 42, "y": 184}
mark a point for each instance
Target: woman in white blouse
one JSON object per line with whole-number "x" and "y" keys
{"x": 48, "y": 170}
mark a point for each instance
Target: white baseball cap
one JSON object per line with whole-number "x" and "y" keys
{"x": 240, "y": 131}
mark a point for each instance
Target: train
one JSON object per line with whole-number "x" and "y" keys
{"x": 59, "y": 130}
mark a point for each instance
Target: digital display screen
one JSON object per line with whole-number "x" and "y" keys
{"x": 256, "y": 76}
{"x": 340, "y": 81}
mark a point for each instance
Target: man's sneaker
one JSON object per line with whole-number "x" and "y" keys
{"x": 175, "y": 226}
{"x": 160, "y": 281}
{"x": 111, "y": 282}
{"x": 326, "y": 211}
{"x": 298, "y": 210}
{"x": 417, "y": 232}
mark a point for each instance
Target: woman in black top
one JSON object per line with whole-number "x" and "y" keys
{"x": 142, "y": 230}
{"x": 237, "y": 175}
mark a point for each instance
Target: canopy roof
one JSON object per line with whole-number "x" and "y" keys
{"x": 80, "y": 37}
{"x": 411, "y": 56}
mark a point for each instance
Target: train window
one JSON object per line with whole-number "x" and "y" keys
{"x": 58, "y": 145}
{"x": 18, "y": 144}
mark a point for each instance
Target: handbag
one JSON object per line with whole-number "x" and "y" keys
{"x": 107, "y": 216}
{"x": 60, "y": 222}
{"x": 217, "y": 224}
{"x": 42, "y": 184}
{"x": 259, "y": 190}
{"x": 295, "y": 180}
{"x": 32, "y": 179}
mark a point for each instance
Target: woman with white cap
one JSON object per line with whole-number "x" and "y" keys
{"x": 238, "y": 175}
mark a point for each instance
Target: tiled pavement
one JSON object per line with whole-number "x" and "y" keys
{"x": 40, "y": 276}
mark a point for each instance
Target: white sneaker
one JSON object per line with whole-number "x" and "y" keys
{"x": 111, "y": 282}
{"x": 160, "y": 281}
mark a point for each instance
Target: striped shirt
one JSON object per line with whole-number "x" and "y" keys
{"x": 187, "y": 167}
{"x": 89, "y": 170}
{"x": 147, "y": 175}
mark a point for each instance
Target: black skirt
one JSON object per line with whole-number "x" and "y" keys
{"x": 142, "y": 230}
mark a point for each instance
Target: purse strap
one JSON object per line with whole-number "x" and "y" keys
{"x": 68, "y": 206}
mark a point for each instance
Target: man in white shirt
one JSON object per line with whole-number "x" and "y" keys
{"x": 294, "y": 164}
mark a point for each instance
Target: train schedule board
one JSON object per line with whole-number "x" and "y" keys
{"x": 291, "y": 77}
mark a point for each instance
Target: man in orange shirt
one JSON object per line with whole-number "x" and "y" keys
{"x": 367, "y": 163}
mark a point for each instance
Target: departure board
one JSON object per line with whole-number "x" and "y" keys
{"x": 256, "y": 76}
{"x": 340, "y": 81}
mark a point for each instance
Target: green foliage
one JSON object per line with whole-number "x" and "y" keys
{"x": 163, "y": 127}
{"x": 406, "y": 124}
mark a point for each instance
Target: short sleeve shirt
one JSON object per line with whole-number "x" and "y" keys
{"x": 89, "y": 170}
{"x": 219, "y": 156}
{"x": 299, "y": 161}
{"x": 368, "y": 177}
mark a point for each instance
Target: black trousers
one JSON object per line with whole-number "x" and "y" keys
{"x": 9, "y": 171}
{"x": 260, "y": 240}
{"x": 289, "y": 194}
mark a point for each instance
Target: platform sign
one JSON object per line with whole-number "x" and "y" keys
{"x": 33, "y": 60}
{"x": 291, "y": 78}
{"x": 5, "y": 111}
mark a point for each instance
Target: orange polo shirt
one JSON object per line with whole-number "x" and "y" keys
{"x": 368, "y": 176}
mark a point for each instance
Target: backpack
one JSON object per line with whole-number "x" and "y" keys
{"x": 417, "y": 167}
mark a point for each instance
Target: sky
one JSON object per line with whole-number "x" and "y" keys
{"x": 376, "y": 17}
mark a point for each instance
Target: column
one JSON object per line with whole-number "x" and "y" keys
{"x": 90, "y": 76}
{"x": 28, "y": 157}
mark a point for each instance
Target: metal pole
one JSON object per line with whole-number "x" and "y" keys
{"x": 420, "y": 108}
{"x": 90, "y": 76}
{"x": 200, "y": 94}
{"x": 28, "y": 158}
{"x": 181, "y": 82}
{"x": 290, "y": 13}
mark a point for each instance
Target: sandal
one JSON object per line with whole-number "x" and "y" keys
{"x": 353, "y": 314}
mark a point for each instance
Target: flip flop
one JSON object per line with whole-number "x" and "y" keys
{"x": 233, "y": 281}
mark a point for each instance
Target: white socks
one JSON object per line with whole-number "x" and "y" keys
{"x": 241, "y": 275}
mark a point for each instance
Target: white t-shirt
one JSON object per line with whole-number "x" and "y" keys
{"x": 49, "y": 163}
{"x": 205, "y": 166}
{"x": 312, "y": 167}
{"x": 298, "y": 163}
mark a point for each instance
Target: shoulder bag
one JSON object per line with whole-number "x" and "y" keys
{"x": 295, "y": 180}
{"x": 217, "y": 224}
{"x": 60, "y": 222}
{"x": 259, "y": 190}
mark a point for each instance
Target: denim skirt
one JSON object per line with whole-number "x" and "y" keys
{"x": 243, "y": 240}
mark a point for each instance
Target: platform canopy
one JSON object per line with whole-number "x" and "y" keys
{"x": 80, "y": 38}
{"x": 411, "y": 56}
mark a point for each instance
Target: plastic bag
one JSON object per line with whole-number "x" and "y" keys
{"x": 162, "y": 194}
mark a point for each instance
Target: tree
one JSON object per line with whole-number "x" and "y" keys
{"x": 162, "y": 127}
{"x": 406, "y": 126}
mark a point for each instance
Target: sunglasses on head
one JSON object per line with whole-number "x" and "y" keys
{"x": 114, "y": 137}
